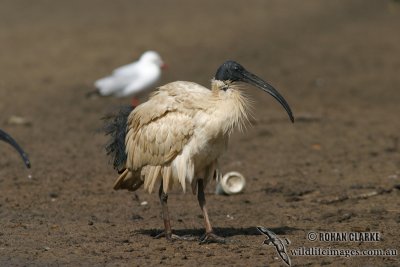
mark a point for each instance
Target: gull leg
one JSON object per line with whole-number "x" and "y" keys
{"x": 135, "y": 102}
{"x": 209, "y": 236}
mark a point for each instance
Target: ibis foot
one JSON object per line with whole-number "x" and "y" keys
{"x": 169, "y": 236}
{"x": 211, "y": 238}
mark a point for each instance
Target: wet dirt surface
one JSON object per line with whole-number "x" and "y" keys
{"x": 336, "y": 169}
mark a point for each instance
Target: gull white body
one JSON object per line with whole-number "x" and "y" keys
{"x": 133, "y": 78}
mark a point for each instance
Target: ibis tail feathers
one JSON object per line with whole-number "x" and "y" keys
{"x": 152, "y": 178}
{"x": 128, "y": 180}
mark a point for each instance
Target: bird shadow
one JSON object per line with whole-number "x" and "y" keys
{"x": 221, "y": 231}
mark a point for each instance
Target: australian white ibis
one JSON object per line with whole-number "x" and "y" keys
{"x": 133, "y": 78}
{"x": 177, "y": 136}
{"x": 8, "y": 139}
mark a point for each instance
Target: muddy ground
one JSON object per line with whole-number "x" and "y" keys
{"x": 336, "y": 62}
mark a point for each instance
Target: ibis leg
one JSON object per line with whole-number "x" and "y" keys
{"x": 167, "y": 225}
{"x": 209, "y": 236}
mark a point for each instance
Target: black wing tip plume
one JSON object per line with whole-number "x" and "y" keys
{"x": 115, "y": 126}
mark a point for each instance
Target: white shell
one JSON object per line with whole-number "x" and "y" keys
{"x": 231, "y": 183}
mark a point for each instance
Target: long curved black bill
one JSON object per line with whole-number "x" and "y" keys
{"x": 8, "y": 139}
{"x": 258, "y": 82}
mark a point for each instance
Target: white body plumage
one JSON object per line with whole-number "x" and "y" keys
{"x": 179, "y": 134}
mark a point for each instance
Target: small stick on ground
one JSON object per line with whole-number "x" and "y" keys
{"x": 367, "y": 195}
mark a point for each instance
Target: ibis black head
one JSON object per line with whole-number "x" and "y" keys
{"x": 234, "y": 72}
